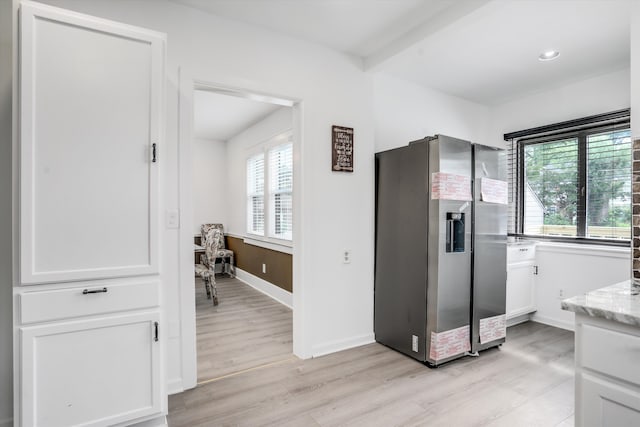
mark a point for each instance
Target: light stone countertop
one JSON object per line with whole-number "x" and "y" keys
{"x": 619, "y": 302}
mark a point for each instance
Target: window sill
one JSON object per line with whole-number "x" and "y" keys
{"x": 576, "y": 241}
{"x": 584, "y": 249}
{"x": 273, "y": 244}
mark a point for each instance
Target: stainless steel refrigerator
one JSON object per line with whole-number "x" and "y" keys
{"x": 441, "y": 241}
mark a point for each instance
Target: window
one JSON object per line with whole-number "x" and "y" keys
{"x": 573, "y": 183}
{"x": 270, "y": 207}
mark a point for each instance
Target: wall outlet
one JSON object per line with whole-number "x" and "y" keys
{"x": 346, "y": 256}
{"x": 560, "y": 293}
{"x": 414, "y": 343}
{"x": 264, "y": 268}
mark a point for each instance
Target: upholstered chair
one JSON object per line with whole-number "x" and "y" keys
{"x": 224, "y": 255}
{"x": 206, "y": 268}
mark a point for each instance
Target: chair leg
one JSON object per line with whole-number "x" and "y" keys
{"x": 215, "y": 295}
{"x": 232, "y": 267}
{"x": 206, "y": 287}
{"x": 214, "y": 289}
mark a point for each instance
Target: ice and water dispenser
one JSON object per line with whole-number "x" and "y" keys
{"x": 455, "y": 232}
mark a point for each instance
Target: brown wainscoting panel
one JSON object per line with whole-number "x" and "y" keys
{"x": 250, "y": 259}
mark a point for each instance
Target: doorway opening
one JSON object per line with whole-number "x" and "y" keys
{"x": 242, "y": 176}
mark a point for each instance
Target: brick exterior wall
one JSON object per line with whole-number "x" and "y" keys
{"x": 636, "y": 209}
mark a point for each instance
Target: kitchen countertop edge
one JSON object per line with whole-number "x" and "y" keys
{"x": 619, "y": 303}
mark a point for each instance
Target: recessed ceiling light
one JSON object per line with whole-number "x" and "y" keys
{"x": 548, "y": 55}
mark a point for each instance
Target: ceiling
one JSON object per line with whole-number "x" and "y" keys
{"x": 220, "y": 117}
{"x": 482, "y": 50}
{"x": 357, "y": 27}
{"x": 491, "y": 55}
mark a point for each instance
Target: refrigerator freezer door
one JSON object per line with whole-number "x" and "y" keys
{"x": 489, "y": 248}
{"x": 401, "y": 249}
{"x": 449, "y": 268}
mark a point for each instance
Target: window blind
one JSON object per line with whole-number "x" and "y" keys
{"x": 608, "y": 207}
{"x": 281, "y": 190}
{"x": 255, "y": 194}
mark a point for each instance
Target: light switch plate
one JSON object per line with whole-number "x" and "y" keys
{"x": 172, "y": 218}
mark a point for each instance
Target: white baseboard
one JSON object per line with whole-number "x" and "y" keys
{"x": 6, "y": 422}
{"x": 154, "y": 422}
{"x": 175, "y": 387}
{"x": 345, "y": 344}
{"x": 518, "y": 319}
{"x": 562, "y": 324}
{"x": 267, "y": 288}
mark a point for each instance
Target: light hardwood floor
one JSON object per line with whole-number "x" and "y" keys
{"x": 526, "y": 382}
{"x": 245, "y": 330}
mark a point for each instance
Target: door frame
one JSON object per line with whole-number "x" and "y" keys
{"x": 187, "y": 85}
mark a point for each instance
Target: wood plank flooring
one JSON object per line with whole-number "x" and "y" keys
{"x": 526, "y": 382}
{"x": 245, "y": 330}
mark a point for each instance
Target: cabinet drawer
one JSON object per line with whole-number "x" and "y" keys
{"x": 43, "y": 306}
{"x": 610, "y": 352}
{"x": 518, "y": 253}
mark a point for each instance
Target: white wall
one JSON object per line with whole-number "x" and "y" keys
{"x": 333, "y": 302}
{"x": 405, "y": 112}
{"x": 210, "y": 183}
{"x": 6, "y": 318}
{"x": 238, "y": 149}
{"x": 596, "y": 95}
{"x": 576, "y": 270}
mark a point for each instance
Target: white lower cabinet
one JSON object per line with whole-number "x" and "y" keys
{"x": 89, "y": 354}
{"x": 607, "y": 375}
{"x": 607, "y": 404}
{"x": 97, "y": 372}
{"x": 521, "y": 268}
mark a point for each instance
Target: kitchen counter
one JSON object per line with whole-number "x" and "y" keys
{"x": 619, "y": 303}
{"x": 607, "y": 334}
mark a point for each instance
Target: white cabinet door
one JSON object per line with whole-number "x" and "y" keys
{"x": 608, "y": 405}
{"x": 92, "y": 372}
{"x": 520, "y": 289}
{"x": 90, "y": 114}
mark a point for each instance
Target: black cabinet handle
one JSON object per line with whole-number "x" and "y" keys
{"x": 154, "y": 153}
{"x": 155, "y": 324}
{"x": 94, "y": 291}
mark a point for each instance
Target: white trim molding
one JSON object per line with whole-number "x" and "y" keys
{"x": 569, "y": 326}
{"x": 593, "y": 250}
{"x": 268, "y": 245}
{"x": 267, "y": 288}
{"x": 344, "y": 344}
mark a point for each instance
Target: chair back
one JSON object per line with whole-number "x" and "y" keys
{"x": 211, "y": 244}
{"x": 204, "y": 228}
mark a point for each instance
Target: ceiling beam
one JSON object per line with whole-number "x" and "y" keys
{"x": 423, "y": 30}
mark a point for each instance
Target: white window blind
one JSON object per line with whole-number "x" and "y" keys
{"x": 270, "y": 189}
{"x": 255, "y": 194}
{"x": 609, "y": 185}
{"x": 281, "y": 191}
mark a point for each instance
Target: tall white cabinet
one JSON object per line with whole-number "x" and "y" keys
{"x": 87, "y": 302}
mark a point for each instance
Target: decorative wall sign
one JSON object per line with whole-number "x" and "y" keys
{"x": 494, "y": 191}
{"x": 448, "y": 186}
{"x": 341, "y": 149}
